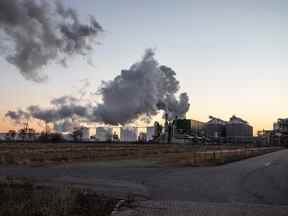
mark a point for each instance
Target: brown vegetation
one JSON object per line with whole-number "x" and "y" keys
{"x": 216, "y": 157}
{"x": 41, "y": 154}
{"x": 22, "y": 198}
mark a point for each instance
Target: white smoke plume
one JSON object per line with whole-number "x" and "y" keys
{"x": 142, "y": 90}
{"x": 67, "y": 125}
{"x": 39, "y": 32}
{"x": 18, "y": 116}
{"x": 62, "y": 108}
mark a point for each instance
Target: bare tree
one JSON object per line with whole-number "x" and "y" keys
{"x": 11, "y": 135}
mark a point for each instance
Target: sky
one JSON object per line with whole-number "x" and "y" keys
{"x": 229, "y": 55}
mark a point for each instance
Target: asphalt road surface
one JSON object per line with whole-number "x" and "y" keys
{"x": 260, "y": 180}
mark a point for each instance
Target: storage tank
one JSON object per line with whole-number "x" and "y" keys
{"x": 128, "y": 134}
{"x": 238, "y": 128}
{"x": 85, "y": 133}
{"x": 215, "y": 127}
{"x": 150, "y": 133}
{"x": 67, "y": 136}
{"x": 3, "y": 136}
{"x": 103, "y": 134}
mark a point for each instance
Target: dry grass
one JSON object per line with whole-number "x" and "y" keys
{"x": 38, "y": 154}
{"x": 216, "y": 157}
{"x": 42, "y": 154}
{"x": 21, "y": 198}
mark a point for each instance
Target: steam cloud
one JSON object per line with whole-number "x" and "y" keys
{"x": 142, "y": 90}
{"x": 42, "y": 32}
{"x": 18, "y": 116}
{"x": 67, "y": 125}
{"x": 62, "y": 108}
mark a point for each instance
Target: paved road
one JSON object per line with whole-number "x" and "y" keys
{"x": 260, "y": 180}
{"x": 186, "y": 208}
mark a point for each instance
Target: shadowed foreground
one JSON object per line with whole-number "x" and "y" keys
{"x": 22, "y": 198}
{"x": 260, "y": 180}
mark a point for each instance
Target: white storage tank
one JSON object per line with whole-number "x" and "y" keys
{"x": 3, "y": 136}
{"x": 85, "y": 133}
{"x": 150, "y": 133}
{"x": 128, "y": 134}
{"x": 67, "y": 136}
{"x": 103, "y": 134}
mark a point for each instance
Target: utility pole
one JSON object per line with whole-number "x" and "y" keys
{"x": 46, "y": 128}
{"x": 26, "y": 126}
{"x": 25, "y": 129}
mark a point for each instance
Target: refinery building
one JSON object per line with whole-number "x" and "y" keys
{"x": 236, "y": 130}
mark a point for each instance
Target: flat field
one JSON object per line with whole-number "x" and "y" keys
{"x": 161, "y": 154}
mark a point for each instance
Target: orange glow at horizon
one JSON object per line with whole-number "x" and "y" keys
{"x": 258, "y": 124}
{"x": 6, "y": 125}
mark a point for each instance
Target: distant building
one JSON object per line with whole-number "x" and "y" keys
{"x": 215, "y": 128}
{"x": 128, "y": 134}
{"x": 279, "y": 134}
{"x": 281, "y": 126}
{"x": 150, "y": 133}
{"x": 103, "y": 134}
{"x": 266, "y": 137}
{"x": 67, "y": 136}
{"x": 182, "y": 126}
{"x": 3, "y": 136}
{"x": 197, "y": 127}
{"x": 85, "y": 133}
{"x": 238, "y": 128}
{"x": 186, "y": 131}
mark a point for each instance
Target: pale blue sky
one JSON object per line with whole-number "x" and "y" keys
{"x": 229, "y": 55}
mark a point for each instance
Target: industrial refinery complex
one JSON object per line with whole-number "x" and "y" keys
{"x": 182, "y": 131}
